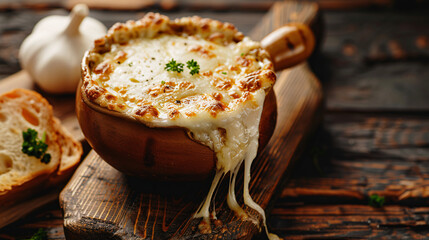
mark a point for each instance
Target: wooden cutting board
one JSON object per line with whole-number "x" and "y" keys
{"x": 101, "y": 203}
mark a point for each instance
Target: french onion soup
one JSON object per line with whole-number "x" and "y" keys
{"x": 196, "y": 74}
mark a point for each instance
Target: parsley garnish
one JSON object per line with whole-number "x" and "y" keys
{"x": 162, "y": 82}
{"x": 376, "y": 200}
{"x": 193, "y": 66}
{"x": 32, "y": 146}
{"x": 224, "y": 73}
{"x": 174, "y": 66}
{"x": 39, "y": 235}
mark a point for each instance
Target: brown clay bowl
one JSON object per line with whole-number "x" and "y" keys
{"x": 155, "y": 153}
{"x": 168, "y": 153}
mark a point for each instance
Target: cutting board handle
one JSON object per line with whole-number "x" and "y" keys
{"x": 289, "y": 45}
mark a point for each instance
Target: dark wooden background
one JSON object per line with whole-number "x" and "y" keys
{"x": 374, "y": 139}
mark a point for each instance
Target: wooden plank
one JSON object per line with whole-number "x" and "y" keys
{"x": 378, "y": 65}
{"x": 99, "y": 202}
{"x": 12, "y": 213}
{"x": 368, "y": 155}
{"x": 352, "y": 158}
{"x": 49, "y": 218}
{"x": 290, "y": 221}
{"x": 242, "y": 5}
{"x": 347, "y": 221}
{"x": 260, "y": 5}
{"x": 112, "y": 4}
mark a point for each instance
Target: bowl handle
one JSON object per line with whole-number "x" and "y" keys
{"x": 289, "y": 45}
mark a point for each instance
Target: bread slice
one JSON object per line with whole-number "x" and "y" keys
{"x": 71, "y": 153}
{"x": 22, "y": 175}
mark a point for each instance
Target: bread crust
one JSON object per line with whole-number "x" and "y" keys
{"x": 71, "y": 153}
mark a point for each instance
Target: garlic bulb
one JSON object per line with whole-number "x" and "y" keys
{"x": 52, "y": 53}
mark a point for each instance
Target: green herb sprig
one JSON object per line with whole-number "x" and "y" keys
{"x": 193, "y": 66}
{"x": 376, "y": 201}
{"x": 178, "y": 67}
{"x": 41, "y": 234}
{"x": 32, "y": 146}
{"x": 174, "y": 66}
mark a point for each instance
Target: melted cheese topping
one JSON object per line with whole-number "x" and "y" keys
{"x": 135, "y": 78}
{"x": 221, "y": 106}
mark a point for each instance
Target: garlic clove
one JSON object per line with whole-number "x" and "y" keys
{"x": 56, "y": 70}
{"x": 52, "y": 53}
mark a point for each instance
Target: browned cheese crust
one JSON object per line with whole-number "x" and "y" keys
{"x": 221, "y": 86}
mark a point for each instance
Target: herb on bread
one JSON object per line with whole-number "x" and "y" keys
{"x": 174, "y": 66}
{"x": 32, "y": 146}
{"x": 193, "y": 66}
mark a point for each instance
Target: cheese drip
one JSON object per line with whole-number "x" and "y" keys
{"x": 241, "y": 145}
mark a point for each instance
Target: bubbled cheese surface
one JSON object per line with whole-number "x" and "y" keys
{"x": 135, "y": 76}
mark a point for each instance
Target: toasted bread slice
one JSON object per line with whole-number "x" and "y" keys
{"x": 22, "y": 175}
{"x": 20, "y": 110}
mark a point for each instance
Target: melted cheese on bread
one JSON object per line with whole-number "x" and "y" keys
{"x": 220, "y": 106}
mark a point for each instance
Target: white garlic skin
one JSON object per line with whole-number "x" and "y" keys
{"x": 52, "y": 53}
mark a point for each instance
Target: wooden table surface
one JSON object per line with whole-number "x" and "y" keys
{"x": 374, "y": 137}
